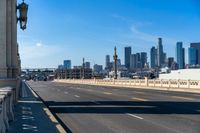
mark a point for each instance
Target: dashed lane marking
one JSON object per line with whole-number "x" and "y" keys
{"x": 66, "y": 92}
{"x": 135, "y": 116}
{"x": 107, "y": 93}
{"x": 139, "y": 99}
{"x": 77, "y": 96}
{"x": 185, "y": 98}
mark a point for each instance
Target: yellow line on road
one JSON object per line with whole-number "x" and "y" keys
{"x": 180, "y": 97}
{"x": 107, "y": 93}
{"x": 139, "y": 99}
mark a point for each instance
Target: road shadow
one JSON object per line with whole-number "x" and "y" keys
{"x": 121, "y": 107}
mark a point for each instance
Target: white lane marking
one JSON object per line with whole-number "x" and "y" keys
{"x": 77, "y": 96}
{"x": 138, "y": 117}
{"x": 107, "y": 93}
{"x": 66, "y": 92}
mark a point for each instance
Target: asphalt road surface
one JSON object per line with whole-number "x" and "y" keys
{"x": 99, "y": 109}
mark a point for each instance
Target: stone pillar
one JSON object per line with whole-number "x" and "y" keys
{"x": 14, "y": 50}
{"x": 8, "y": 39}
{"x": 3, "y": 41}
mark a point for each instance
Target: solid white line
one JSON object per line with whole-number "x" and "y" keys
{"x": 135, "y": 116}
{"x": 76, "y": 96}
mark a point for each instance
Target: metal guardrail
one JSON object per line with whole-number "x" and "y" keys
{"x": 7, "y": 100}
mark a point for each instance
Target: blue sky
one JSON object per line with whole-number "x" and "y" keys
{"x": 72, "y": 29}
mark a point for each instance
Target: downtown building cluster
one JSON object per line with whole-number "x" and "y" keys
{"x": 136, "y": 64}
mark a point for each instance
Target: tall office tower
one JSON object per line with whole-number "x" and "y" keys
{"x": 192, "y": 56}
{"x": 143, "y": 59}
{"x": 127, "y": 57}
{"x": 138, "y": 60}
{"x": 87, "y": 64}
{"x": 97, "y": 68}
{"x": 197, "y": 47}
{"x": 170, "y": 62}
{"x": 160, "y": 52}
{"x": 183, "y": 49}
{"x": 67, "y": 64}
{"x": 153, "y": 54}
{"x": 107, "y": 64}
{"x": 133, "y": 61}
{"x": 180, "y": 52}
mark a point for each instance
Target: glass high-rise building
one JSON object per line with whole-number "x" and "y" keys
{"x": 107, "y": 61}
{"x": 197, "y": 47}
{"x": 127, "y": 57}
{"x": 180, "y": 53}
{"x": 192, "y": 56}
{"x": 160, "y": 53}
{"x": 143, "y": 59}
{"x": 67, "y": 64}
{"x": 153, "y": 57}
{"x": 133, "y": 61}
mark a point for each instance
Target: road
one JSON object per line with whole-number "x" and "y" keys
{"x": 99, "y": 109}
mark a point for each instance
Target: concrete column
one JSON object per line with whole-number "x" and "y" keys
{"x": 3, "y": 54}
{"x": 14, "y": 49}
{"x": 9, "y": 37}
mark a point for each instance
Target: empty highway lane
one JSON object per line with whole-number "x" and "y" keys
{"x": 99, "y": 109}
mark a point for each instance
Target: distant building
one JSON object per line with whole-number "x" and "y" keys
{"x": 76, "y": 73}
{"x": 160, "y": 53}
{"x": 127, "y": 57}
{"x": 192, "y": 56}
{"x": 97, "y": 68}
{"x": 60, "y": 67}
{"x": 170, "y": 62}
{"x": 138, "y": 60}
{"x": 133, "y": 61}
{"x": 67, "y": 64}
{"x": 107, "y": 61}
{"x": 197, "y": 47}
{"x": 180, "y": 53}
{"x": 143, "y": 59}
{"x": 87, "y": 64}
{"x": 153, "y": 57}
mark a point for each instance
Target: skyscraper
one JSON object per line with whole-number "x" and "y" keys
{"x": 67, "y": 64}
{"x": 87, "y": 64}
{"x": 133, "y": 61}
{"x": 160, "y": 52}
{"x": 197, "y": 47}
{"x": 170, "y": 62}
{"x": 153, "y": 54}
{"x": 107, "y": 61}
{"x": 180, "y": 53}
{"x": 192, "y": 56}
{"x": 143, "y": 59}
{"x": 127, "y": 57}
{"x": 138, "y": 60}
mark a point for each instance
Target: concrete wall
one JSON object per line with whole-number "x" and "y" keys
{"x": 183, "y": 74}
{"x": 172, "y": 85}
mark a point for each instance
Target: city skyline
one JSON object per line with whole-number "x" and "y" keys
{"x": 93, "y": 28}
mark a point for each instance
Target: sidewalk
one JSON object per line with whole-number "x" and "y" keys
{"x": 30, "y": 116}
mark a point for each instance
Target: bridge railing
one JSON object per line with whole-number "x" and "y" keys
{"x": 149, "y": 83}
{"x": 7, "y": 101}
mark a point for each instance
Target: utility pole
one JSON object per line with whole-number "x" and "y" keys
{"x": 115, "y": 62}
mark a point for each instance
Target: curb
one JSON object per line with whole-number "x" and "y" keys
{"x": 53, "y": 119}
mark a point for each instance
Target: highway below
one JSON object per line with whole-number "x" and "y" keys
{"x": 100, "y": 109}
